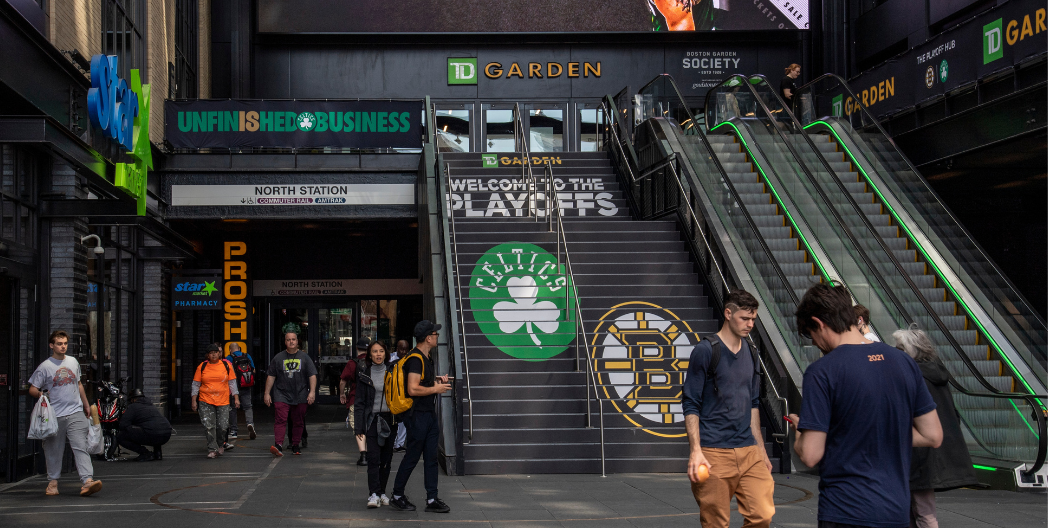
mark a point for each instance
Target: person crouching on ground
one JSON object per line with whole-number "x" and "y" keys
{"x": 949, "y": 466}
{"x": 294, "y": 377}
{"x": 721, "y": 400}
{"x": 141, "y": 426}
{"x": 213, "y": 382}
{"x": 373, "y": 422}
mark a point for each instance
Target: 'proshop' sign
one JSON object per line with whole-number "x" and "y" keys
{"x": 301, "y": 124}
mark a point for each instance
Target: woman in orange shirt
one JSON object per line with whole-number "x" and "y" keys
{"x": 212, "y": 385}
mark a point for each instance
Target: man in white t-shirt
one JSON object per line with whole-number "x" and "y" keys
{"x": 59, "y": 377}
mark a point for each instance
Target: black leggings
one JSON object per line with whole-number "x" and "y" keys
{"x": 380, "y": 458}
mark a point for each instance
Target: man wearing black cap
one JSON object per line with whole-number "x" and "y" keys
{"x": 423, "y": 426}
{"x": 141, "y": 426}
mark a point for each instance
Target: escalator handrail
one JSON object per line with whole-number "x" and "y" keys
{"x": 727, "y": 181}
{"x": 862, "y": 253}
{"x": 859, "y": 249}
{"x": 928, "y": 188}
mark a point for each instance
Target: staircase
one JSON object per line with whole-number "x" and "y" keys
{"x": 642, "y": 307}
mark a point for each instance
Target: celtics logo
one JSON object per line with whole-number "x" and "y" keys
{"x": 523, "y": 301}
{"x": 640, "y": 354}
{"x": 306, "y": 121}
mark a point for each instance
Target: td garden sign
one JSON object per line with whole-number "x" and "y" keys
{"x": 294, "y": 124}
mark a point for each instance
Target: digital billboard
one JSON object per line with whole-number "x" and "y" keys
{"x": 527, "y": 16}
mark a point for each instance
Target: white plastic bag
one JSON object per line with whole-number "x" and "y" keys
{"x": 95, "y": 443}
{"x": 42, "y": 422}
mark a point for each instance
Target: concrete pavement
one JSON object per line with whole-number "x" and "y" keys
{"x": 323, "y": 487}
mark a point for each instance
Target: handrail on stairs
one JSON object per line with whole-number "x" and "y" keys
{"x": 580, "y": 328}
{"x": 461, "y": 309}
{"x": 520, "y": 142}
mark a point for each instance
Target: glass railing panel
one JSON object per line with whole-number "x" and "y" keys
{"x": 1009, "y": 311}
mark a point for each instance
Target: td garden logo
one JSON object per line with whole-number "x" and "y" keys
{"x": 523, "y": 301}
{"x": 640, "y": 354}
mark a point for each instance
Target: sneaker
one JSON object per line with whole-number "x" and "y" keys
{"x": 384, "y": 499}
{"x": 277, "y": 450}
{"x": 400, "y": 449}
{"x": 212, "y": 454}
{"x": 296, "y": 450}
{"x": 52, "y": 488}
{"x": 373, "y": 501}
{"x": 228, "y": 446}
{"x": 233, "y": 435}
{"x": 401, "y": 504}
{"x": 221, "y": 450}
{"x": 90, "y": 488}
{"x": 251, "y": 431}
{"x": 437, "y": 506}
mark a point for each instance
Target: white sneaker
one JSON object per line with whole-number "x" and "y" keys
{"x": 385, "y": 500}
{"x": 373, "y": 501}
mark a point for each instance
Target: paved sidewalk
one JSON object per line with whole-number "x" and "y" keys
{"x": 323, "y": 487}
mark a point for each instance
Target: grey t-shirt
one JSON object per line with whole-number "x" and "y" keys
{"x": 292, "y": 372}
{"x": 61, "y": 380}
{"x": 378, "y": 379}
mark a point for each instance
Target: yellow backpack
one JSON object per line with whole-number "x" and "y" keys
{"x": 396, "y": 388}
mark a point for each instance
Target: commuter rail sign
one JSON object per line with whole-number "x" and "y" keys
{"x": 294, "y": 124}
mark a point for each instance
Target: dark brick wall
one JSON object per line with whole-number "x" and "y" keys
{"x": 155, "y": 319}
{"x": 66, "y": 259}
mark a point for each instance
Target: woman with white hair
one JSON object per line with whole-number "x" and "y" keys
{"x": 949, "y": 466}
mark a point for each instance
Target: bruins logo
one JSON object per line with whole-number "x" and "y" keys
{"x": 640, "y": 354}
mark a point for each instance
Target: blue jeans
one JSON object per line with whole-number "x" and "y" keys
{"x": 422, "y": 442}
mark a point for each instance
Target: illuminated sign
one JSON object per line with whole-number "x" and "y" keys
{"x": 121, "y": 111}
{"x": 196, "y": 293}
{"x": 234, "y": 271}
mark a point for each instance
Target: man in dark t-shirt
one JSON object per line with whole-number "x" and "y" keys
{"x": 423, "y": 386}
{"x": 788, "y": 85}
{"x": 865, "y": 406}
{"x": 721, "y": 414}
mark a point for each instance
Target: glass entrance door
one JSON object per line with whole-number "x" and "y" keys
{"x": 335, "y": 348}
{"x": 544, "y": 126}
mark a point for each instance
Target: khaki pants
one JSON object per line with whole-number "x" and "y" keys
{"x": 738, "y": 472}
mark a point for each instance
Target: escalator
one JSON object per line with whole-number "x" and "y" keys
{"x": 806, "y": 200}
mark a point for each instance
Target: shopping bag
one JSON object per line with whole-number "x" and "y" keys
{"x": 95, "y": 443}
{"x": 42, "y": 421}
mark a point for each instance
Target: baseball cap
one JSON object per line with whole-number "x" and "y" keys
{"x": 363, "y": 344}
{"x": 425, "y": 327}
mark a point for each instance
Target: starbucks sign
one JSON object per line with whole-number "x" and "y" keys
{"x": 523, "y": 301}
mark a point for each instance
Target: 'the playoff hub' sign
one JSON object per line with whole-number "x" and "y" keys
{"x": 196, "y": 293}
{"x": 294, "y": 124}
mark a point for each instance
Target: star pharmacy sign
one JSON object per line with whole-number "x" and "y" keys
{"x": 523, "y": 301}
{"x": 640, "y": 354}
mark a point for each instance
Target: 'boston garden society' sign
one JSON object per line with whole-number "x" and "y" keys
{"x": 300, "y": 124}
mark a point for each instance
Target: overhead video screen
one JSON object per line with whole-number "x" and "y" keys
{"x": 527, "y": 16}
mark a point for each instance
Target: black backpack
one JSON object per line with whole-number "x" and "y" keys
{"x": 715, "y": 344}
{"x": 223, "y": 362}
{"x": 245, "y": 374}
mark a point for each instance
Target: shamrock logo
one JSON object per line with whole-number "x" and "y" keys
{"x": 524, "y": 310}
{"x": 523, "y": 301}
{"x": 306, "y": 121}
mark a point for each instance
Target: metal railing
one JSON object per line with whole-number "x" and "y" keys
{"x": 520, "y": 143}
{"x": 695, "y": 223}
{"x": 454, "y": 276}
{"x": 553, "y": 208}
{"x": 1031, "y": 399}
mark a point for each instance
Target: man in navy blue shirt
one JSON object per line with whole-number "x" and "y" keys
{"x": 865, "y": 406}
{"x": 721, "y": 409}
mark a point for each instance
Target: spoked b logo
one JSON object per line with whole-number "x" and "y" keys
{"x": 462, "y": 70}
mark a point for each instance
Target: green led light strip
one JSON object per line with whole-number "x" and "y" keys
{"x": 957, "y": 298}
{"x": 775, "y": 193}
{"x": 984, "y": 468}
